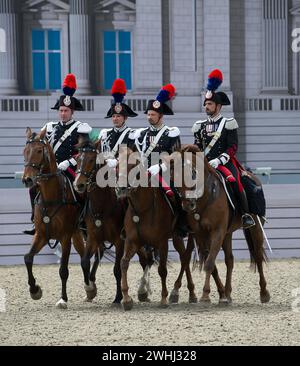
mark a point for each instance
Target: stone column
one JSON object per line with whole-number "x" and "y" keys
{"x": 80, "y": 44}
{"x": 275, "y": 46}
{"x": 148, "y": 47}
{"x": 217, "y": 41}
{"x": 8, "y": 59}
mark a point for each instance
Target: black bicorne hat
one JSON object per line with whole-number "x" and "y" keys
{"x": 67, "y": 100}
{"x": 118, "y": 92}
{"x": 215, "y": 79}
{"x": 159, "y": 105}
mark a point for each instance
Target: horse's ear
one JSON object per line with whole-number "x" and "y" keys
{"x": 28, "y": 132}
{"x": 43, "y": 133}
{"x": 98, "y": 145}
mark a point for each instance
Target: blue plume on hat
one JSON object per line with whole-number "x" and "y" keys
{"x": 215, "y": 79}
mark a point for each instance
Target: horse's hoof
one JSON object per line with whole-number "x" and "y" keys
{"x": 127, "y": 305}
{"x": 173, "y": 299}
{"x": 143, "y": 297}
{"x": 265, "y": 297}
{"x": 193, "y": 300}
{"x": 163, "y": 305}
{"x": 88, "y": 300}
{"x": 224, "y": 301}
{"x": 91, "y": 290}
{"x": 38, "y": 294}
{"x": 205, "y": 300}
{"x": 61, "y": 304}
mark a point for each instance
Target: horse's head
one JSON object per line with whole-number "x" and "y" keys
{"x": 128, "y": 178}
{"x": 36, "y": 157}
{"x": 86, "y": 163}
{"x": 187, "y": 174}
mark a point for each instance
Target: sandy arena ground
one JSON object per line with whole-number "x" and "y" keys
{"x": 245, "y": 322}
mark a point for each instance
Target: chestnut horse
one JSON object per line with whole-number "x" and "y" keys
{"x": 104, "y": 218}
{"x": 56, "y": 211}
{"x": 149, "y": 220}
{"x": 213, "y": 221}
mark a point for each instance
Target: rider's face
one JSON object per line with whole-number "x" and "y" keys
{"x": 118, "y": 120}
{"x": 211, "y": 108}
{"x": 65, "y": 114}
{"x": 154, "y": 118}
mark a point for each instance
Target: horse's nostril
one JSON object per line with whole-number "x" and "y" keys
{"x": 28, "y": 182}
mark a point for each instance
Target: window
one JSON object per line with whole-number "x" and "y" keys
{"x": 46, "y": 59}
{"x": 2, "y": 40}
{"x": 117, "y": 57}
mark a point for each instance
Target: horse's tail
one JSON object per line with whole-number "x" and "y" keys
{"x": 255, "y": 246}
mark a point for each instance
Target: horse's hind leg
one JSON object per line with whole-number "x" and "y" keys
{"x": 146, "y": 261}
{"x": 64, "y": 272}
{"x": 185, "y": 257}
{"x": 255, "y": 236}
{"x": 34, "y": 289}
{"x": 229, "y": 261}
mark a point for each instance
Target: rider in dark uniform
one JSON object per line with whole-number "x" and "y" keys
{"x": 63, "y": 135}
{"x": 168, "y": 142}
{"x": 218, "y": 138}
{"x": 112, "y": 138}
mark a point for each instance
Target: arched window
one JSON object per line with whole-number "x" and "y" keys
{"x": 2, "y": 40}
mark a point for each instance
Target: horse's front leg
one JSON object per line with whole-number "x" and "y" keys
{"x": 162, "y": 270}
{"x": 185, "y": 257}
{"x": 38, "y": 243}
{"x": 129, "y": 251}
{"x": 64, "y": 272}
{"x": 119, "y": 245}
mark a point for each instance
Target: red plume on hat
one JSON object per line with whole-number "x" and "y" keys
{"x": 215, "y": 79}
{"x": 118, "y": 90}
{"x": 69, "y": 85}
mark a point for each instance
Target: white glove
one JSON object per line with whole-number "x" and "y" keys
{"x": 154, "y": 169}
{"x": 112, "y": 163}
{"x": 64, "y": 165}
{"x": 214, "y": 163}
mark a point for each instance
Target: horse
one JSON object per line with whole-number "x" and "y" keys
{"x": 56, "y": 210}
{"x": 150, "y": 220}
{"x": 104, "y": 218}
{"x": 212, "y": 222}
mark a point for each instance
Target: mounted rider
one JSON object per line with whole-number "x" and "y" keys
{"x": 158, "y": 138}
{"x": 119, "y": 111}
{"x": 63, "y": 135}
{"x": 217, "y": 136}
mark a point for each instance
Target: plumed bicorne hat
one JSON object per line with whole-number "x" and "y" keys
{"x": 215, "y": 79}
{"x": 67, "y": 100}
{"x": 159, "y": 105}
{"x": 118, "y": 91}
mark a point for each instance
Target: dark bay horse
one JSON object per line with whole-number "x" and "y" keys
{"x": 213, "y": 222}
{"x": 149, "y": 220}
{"x": 104, "y": 218}
{"x": 56, "y": 210}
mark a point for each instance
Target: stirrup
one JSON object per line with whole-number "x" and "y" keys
{"x": 29, "y": 232}
{"x": 245, "y": 217}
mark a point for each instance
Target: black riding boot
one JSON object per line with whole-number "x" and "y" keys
{"x": 181, "y": 226}
{"x": 32, "y": 194}
{"x": 247, "y": 219}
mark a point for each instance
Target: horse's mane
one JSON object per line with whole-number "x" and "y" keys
{"x": 190, "y": 148}
{"x": 85, "y": 142}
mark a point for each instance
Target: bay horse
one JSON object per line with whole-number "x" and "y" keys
{"x": 149, "y": 220}
{"x": 213, "y": 221}
{"x": 56, "y": 210}
{"x": 104, "y": 218}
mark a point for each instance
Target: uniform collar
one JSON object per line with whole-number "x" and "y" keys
{"x": 121, "y": 129}
{"x": 215, "y": 118}
{"x": 67, "y": 123}
{"x": 152, "y": 128}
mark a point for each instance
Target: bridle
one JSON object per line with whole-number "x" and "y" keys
{"x": 39, "y": 167}
{"x": 90, "y": 175}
